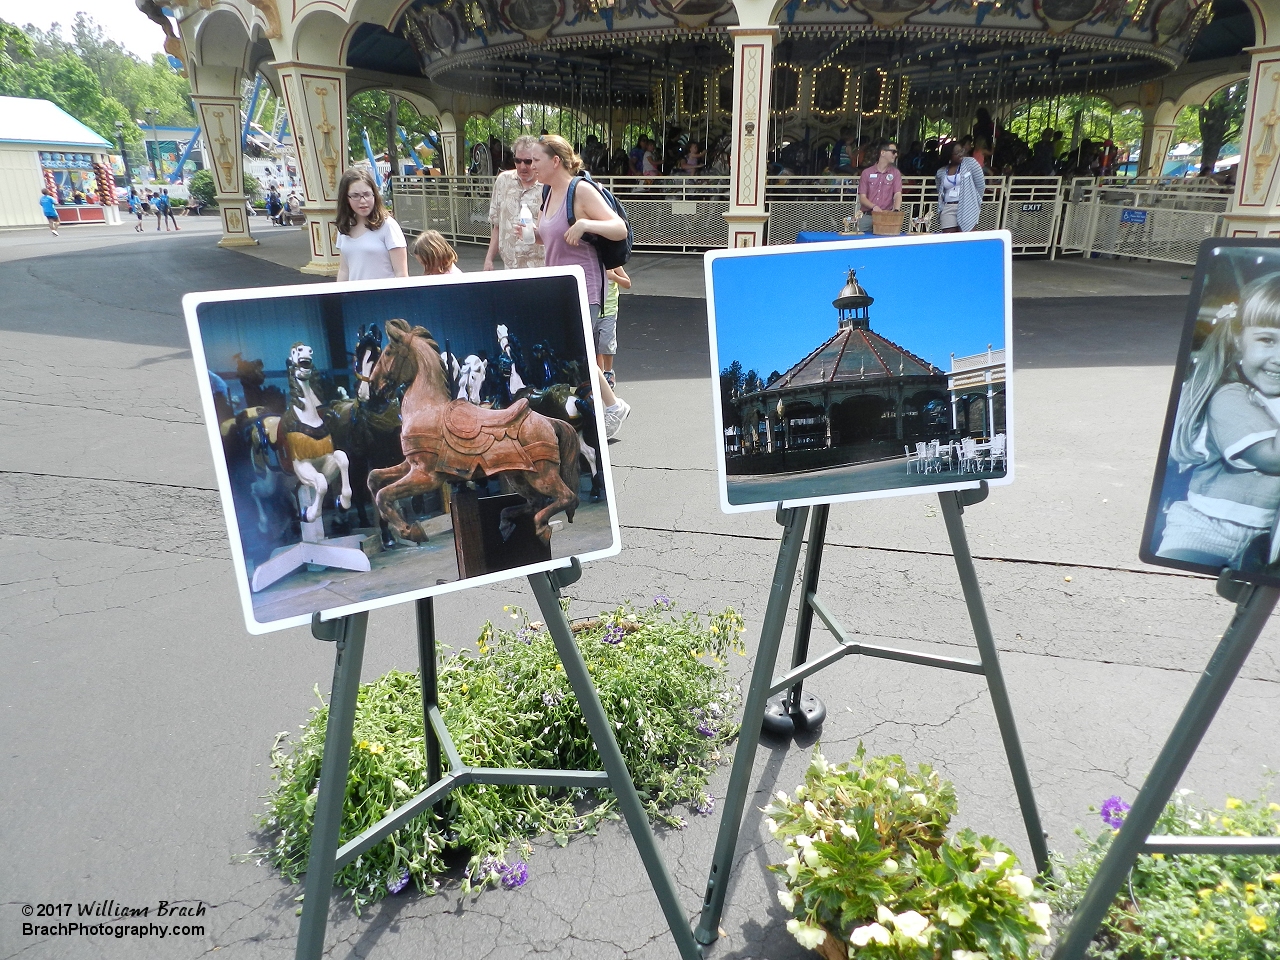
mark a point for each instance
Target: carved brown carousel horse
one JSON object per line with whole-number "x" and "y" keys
{"x": 452, "y": 440}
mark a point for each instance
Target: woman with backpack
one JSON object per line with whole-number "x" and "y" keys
{"x": 556, "y": 166}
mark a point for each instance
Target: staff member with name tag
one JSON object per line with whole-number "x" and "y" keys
{"x": 880, "y": 186}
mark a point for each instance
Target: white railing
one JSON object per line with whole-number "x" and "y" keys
{"x": 1045, "y": 215}
{"x": 1148, "y": 221}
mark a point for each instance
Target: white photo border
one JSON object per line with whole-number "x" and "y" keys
{"x": 1006, "y": 240}
{"x": 190, "y": 304}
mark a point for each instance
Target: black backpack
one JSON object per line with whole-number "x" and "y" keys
{"x": 612, "y": 253}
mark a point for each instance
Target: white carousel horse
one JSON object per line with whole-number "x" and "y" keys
{"x": 316, "y": 464}
{"x": 470, "y": 378}
{"x": 515, "y": 383}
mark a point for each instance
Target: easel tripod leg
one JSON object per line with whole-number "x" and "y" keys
{"x": 753, "y": 708}
{"x": 430, "y": 687}
{"x": 1251, "y": 616}
{"x": 805, "y": 711}
{"x": 332, "y": 786}
{"x": 615, "y": 766}
{"x": 952, "y": 514}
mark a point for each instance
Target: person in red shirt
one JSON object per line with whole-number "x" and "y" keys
{"x": 880, "y": 185}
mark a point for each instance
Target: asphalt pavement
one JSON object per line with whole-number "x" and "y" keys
{"x": 138, "y": 716}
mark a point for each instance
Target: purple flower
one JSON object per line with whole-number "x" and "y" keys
{"x": 707, "y": 729}
{"x": 663, "y": 601}
{"x": 396, "y": 884}
{"x": 515, "y": 875}
{"x": 614, "y": 635}
{"x": 707, "y": 808}
{"x": 1113, "y": 811}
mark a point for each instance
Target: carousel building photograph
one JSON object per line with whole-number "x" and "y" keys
{"x": 893, "y": 382}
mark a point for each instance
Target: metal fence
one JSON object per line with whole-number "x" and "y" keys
{"x": 1147, "y": 218}
{"x": 1148, "y": 221}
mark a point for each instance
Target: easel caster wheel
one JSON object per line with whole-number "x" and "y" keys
{"x": 780, "y": 724}
{"x": 811, "y": 714}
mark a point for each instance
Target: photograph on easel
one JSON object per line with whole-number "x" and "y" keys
{"x": 381, "y": 441}
{"x": 1216, "y": 490}
{"x": 851, "y": 370}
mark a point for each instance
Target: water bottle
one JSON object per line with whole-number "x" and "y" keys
{"x": 526, "y": 225}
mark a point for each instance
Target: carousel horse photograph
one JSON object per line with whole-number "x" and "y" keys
{"x": 306, "y": 446}
{"x": 449, "y": 440}
{"x": 368, "y": 347}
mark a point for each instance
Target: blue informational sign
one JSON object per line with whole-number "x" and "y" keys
{"x": 1133, "y": 216}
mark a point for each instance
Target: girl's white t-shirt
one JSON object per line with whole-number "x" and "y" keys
{"x": 367, "y": 256}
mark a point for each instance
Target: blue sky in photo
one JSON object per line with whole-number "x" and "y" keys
{"x": 932, "y": 299}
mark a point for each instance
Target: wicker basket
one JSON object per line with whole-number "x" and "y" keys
{"x": 886, "y": 223}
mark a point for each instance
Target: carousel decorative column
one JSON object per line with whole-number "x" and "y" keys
{"x": 451, "y": 144}
{"x": 220, "y": 123}
{"x": 316, "y": 100}
{"x": 753, "y": 43}
{"x": 1255, "y": 206}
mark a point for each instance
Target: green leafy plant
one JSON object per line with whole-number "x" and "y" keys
{"x": 202, "y": 187}
{"x": 873, "y": 874}
{"x": 511, "y": 705}
{"x": 1186, "y": 906}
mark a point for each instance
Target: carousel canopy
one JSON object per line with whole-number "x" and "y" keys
{"x": 849, "y": 56}
{"x": 855, "y": 354}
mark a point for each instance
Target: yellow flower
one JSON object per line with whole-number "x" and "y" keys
{"x": 1157, "y": 856}
{"x": 362, "y": 745}
{"x": 377, "y": 748}
{"x": 1205, "y": 894}
{"x": 1272, "y": 878}
{"x": 465, "y": 688}
{"x": 1274, "y": 807}
{"x": 1233, "y": 803}
{"x": 1257, "y": 923}
{"x": 560, "y": 667}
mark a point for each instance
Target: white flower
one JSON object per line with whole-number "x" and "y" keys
{"x": 891, "y": 783}
{"x": 913, "y": 925}
{"x": 919, "y": 799}
{"x": 884, "y": 914}
{"x": 811, "y": 856}
{"x": 793, "y": 868}
{"x": 810, "y": 809}
{"x": 800, "y": 792}
{"x": 782, "y": 797}
{"x": 871, "y": 933}
{"x": 968, "y": 955}
{"x": 819, "y": 765}
{"x": 1022, "y": 885}
{"x": 847, "y": 830}
{"x": 787, "y": 899}
{"x": 772, "y": 824}
{"x": 1040, "y": 914}
{"x": 806, "y": 934}
{"x": 890, "y": 867}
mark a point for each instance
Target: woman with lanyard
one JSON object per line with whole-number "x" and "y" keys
{"x": 960, "y": 188}
{"x": 371, "y": 245}
{"x": 555, "y": 165}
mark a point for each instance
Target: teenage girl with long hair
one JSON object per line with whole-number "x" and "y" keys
{"x": 1227, "y": 432}
{"x": 371, "y": 245}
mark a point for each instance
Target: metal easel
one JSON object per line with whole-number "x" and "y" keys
{"x": 795, "y": 709}
{"x": 327, "y": 857}
{"x": 1253, "y": 608}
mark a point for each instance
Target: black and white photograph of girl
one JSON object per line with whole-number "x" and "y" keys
{"x": 1217, "y": 490}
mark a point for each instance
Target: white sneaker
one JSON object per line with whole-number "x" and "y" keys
{"x": 614, "y": 416}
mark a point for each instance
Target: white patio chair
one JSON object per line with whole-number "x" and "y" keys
{"x": 999, "y": 448}
{"x": 969, "y": 455}
{"x": 923, "y": 463}
{"x": 913, "y": 461}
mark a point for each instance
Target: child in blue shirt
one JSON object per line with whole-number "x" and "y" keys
{"x": 50, "y": 211}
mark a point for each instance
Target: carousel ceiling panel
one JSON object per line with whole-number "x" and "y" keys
{"x": 598, "y": 51}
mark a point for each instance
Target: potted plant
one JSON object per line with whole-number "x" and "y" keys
{"x": 872, "y": 873}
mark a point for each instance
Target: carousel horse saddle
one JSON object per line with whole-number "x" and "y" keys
{"x": 466, "y": 421}
{"x": 471, "y": 438}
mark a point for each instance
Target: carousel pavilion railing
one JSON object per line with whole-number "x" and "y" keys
{"x": 1150, "y": 220}
{"x": 1045, "y": 215}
